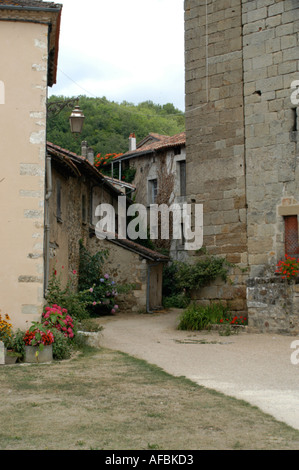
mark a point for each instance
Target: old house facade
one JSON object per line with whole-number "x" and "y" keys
{"x": 242, "y": 147}
{"x": 159, "y": 166}
{"x": 76, "y": 189}
{"x": 29, "y": 37}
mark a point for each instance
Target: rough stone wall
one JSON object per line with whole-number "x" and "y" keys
{"x": 66, "y": 232}
{"x": 163, "y": 166}
{"x": 215, "y": 134}
{"x": 270, "y": 60}
{"x": 273, "y": 304}
{"x": 242, "y": 139}
{"x": 125, "y": 267}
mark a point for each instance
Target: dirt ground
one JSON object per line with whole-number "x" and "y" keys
{"x": 248, "y": 366}
{"x": 108, "y": 400}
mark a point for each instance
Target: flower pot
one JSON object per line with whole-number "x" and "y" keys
{"x": 34, "y": 355}
{"x": 11, "y": 357}
{"x": 2, "y": 353}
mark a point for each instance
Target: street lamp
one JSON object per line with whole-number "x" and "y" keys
{"x": 76, "y": 120}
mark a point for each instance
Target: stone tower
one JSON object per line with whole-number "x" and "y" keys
{"x": 241, "y": 138}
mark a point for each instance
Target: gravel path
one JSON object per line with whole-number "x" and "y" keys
{"x": 254, "y": 367}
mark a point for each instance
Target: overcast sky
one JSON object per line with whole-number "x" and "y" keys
{"x": 130, "y": 50}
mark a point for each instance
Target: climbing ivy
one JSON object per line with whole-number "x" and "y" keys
{"x": 193, "y": 276}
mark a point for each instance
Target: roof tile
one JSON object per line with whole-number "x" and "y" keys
{"x": 159, "y": 142}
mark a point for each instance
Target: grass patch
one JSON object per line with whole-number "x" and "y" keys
{"x": 107, "y": 400}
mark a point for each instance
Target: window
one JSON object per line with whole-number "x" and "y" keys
{"x": 58, "y": 201}
{"x": 2, "y": 93}
{"x": 152, "y": 191}
{"x": 291, "y": 235}
{"x": 182, "y": 176}
{"x": 84, "y": 209}
{"x": 295, "y": 124}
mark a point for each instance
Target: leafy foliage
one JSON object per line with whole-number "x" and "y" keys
{"x": 198, "y": 317}
{"x": 73, "y": 302}
{"x": 90, "y": 267}
{"x": 108, "y": 124}
{"x": 206, "y": 269}
{"x": 180, "y": 278}
{"x": 288, "y": 268}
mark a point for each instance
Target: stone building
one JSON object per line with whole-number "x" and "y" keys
{"x": 241, "y": 59}
{"x": 75, "y": 189}
{"x": 159, "y": 163}
{"x": 29, "y": 38}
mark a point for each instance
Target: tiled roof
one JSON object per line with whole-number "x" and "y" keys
{"x": 81, "y": 163}
{"x": 154, "y": 143}
{"x": 140, "y": 249}
{"x": 29, "y": 4}
{"x": 120, "y": 182}
{"x": 74, "y": 162}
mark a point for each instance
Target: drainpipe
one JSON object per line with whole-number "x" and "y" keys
{"x": 148, "y": 286}
{"x": 49, "y": 189}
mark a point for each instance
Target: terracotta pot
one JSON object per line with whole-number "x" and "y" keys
{"x": 34, "y": 355}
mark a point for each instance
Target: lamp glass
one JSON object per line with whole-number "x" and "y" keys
{"x": 76, "y": 120}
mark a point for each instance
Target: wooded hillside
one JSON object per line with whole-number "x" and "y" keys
{"x": 108, "y": 124}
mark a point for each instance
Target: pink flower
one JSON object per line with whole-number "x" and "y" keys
{"x": 106, "y": 276}
{"x": 74, "y": 271}
{"x": 91, "y": 289}
{"x": 94, "y": 303}
{"x": 116, "y": 307}
{"x": 113, "y": 311}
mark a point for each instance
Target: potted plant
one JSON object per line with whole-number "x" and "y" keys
{"x": 11, "y": 356}
{"x": 38, "y": 343}
{"x": 6, "y": 336}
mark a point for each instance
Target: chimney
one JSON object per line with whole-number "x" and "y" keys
{"x": 87, "y": 152}
{"x": 84, "y": 146}
{"x": 90, "y": 155}
{"x": 132, "y": 142}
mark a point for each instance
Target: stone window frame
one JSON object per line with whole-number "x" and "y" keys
{"x": 289, "y": 212}
{"x": 152, "y": 192}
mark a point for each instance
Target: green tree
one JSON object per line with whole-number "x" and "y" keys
{"x": 108, "y": 124}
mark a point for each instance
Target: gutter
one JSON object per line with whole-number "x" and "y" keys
{"x": 28, "y": 8}
{"x": 144, "y": 152}
{"x": 49, "y": 189}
